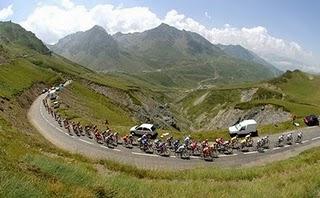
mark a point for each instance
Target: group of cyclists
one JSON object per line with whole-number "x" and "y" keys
{"x": 167, "y": 144}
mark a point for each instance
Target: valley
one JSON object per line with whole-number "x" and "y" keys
{"x": 33, "y": 166}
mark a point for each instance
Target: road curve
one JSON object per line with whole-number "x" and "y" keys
{"x": 58, "y": 136}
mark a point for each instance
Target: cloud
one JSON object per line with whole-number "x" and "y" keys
{"x": 67, "y": 4}
{"x": 207, "y": 15}
{"x": 52, "y": 22}
{"x": 6, "y": 12}
{"x": 256, "y": 39}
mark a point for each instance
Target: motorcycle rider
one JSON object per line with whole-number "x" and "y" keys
{"x": 131, "y": 138}
{"x": 265, "y": 141}
{"x": 204, "y": 144}
{"x": 125, "y": 138}
{"x": 169, "y": 141}
{"x": 176, "y": 145}
{"x": 219, "y": 141}
{"x": 280, "y": 139}
{"x": 187, "y": 141}
{"x": 116, "y": 137}
{"x": 144, "y": 140}
{"x": 156, "y": 143}
{"x": 299, "y": 137}
{"x": 181, "y": 148}
{"x": 289, "y": 137}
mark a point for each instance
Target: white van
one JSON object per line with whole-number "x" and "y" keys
{"x": 244, "y": 128}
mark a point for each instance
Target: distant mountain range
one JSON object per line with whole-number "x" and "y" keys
{"x": 178, "y": 55}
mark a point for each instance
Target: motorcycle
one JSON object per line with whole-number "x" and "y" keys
{"x": 162, "y": 149}
{"x": 87, "y": 131}
{"x": 289, "y": 138}
{"x": 127, "y": 142}
{"x": 195, "y": 149}
{"x": 145, "y": 145}
{"x": 249, "y": 141}
{"x": 209, "y": 152}
{"x": 299, "y": 138}
{"x": 235, "y": 143}
{"x": 224, "y": 147}
{"x": 183, "y": 152}
{"x": 280, "y": 141}
{"x": 260, "y": 145}
{"x": 266, "y": 142}
{"x": 175, "y": 145}
{"x": 108, "y": 140}
{"x": 115, "y": 139}
{"x": 98, "y": 137}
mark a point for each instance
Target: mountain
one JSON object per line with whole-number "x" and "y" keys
{"x": 11, "y": 33}
{"x": 237, "y": 51}
{"x": 163, "y": 55}
{"x": 165, "y": 46}
{"x": 96, "y": 49}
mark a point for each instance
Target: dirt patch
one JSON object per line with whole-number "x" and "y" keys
{"x": 267, "y": 114}
{"x": 200, "y": 99}
{"x": 140, "y": 106}
{"x": 15, "y": 109}
{"x": 246, "y": 95}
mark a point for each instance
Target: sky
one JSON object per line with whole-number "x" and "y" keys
{"x": 284, "y": 32}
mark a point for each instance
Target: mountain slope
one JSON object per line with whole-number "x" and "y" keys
{"x": 237, "y": 51}
{"x": 168, "y": 56}
{"x": 15, "y": 34}
{"x": 96, "y": 49}
{"x": 165, "y": 46}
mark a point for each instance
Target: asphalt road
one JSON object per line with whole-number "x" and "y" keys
{"x": 58, "y": 136}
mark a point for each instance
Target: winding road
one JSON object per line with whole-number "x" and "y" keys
{"x": 58, "y": 136}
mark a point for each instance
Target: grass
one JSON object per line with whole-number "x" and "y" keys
{"x": 20, "y": 75}
{"x": 84, "y": 105}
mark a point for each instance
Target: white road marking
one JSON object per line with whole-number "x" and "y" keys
{"x": 305, "y": 141}
{"x": 104, "y": 147}
{"x": 285, "y": 146}
{"x": 195, "y": 157}
{"x": 276, "y": 148}
{"x": 315, "y": 138}
{"x": 311, "y": 127}
{"x": 145, "y": 154}
{"x": 172, "y": 156}
{"x": 41, "y": 112}
{"x": 85, "y": 141}
{"x": 224, "y": 155}
{"x": 114, "y": 149}
{"x": 252, "y": 152}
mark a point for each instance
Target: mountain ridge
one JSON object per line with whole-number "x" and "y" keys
{"x": 164, "y": 48}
